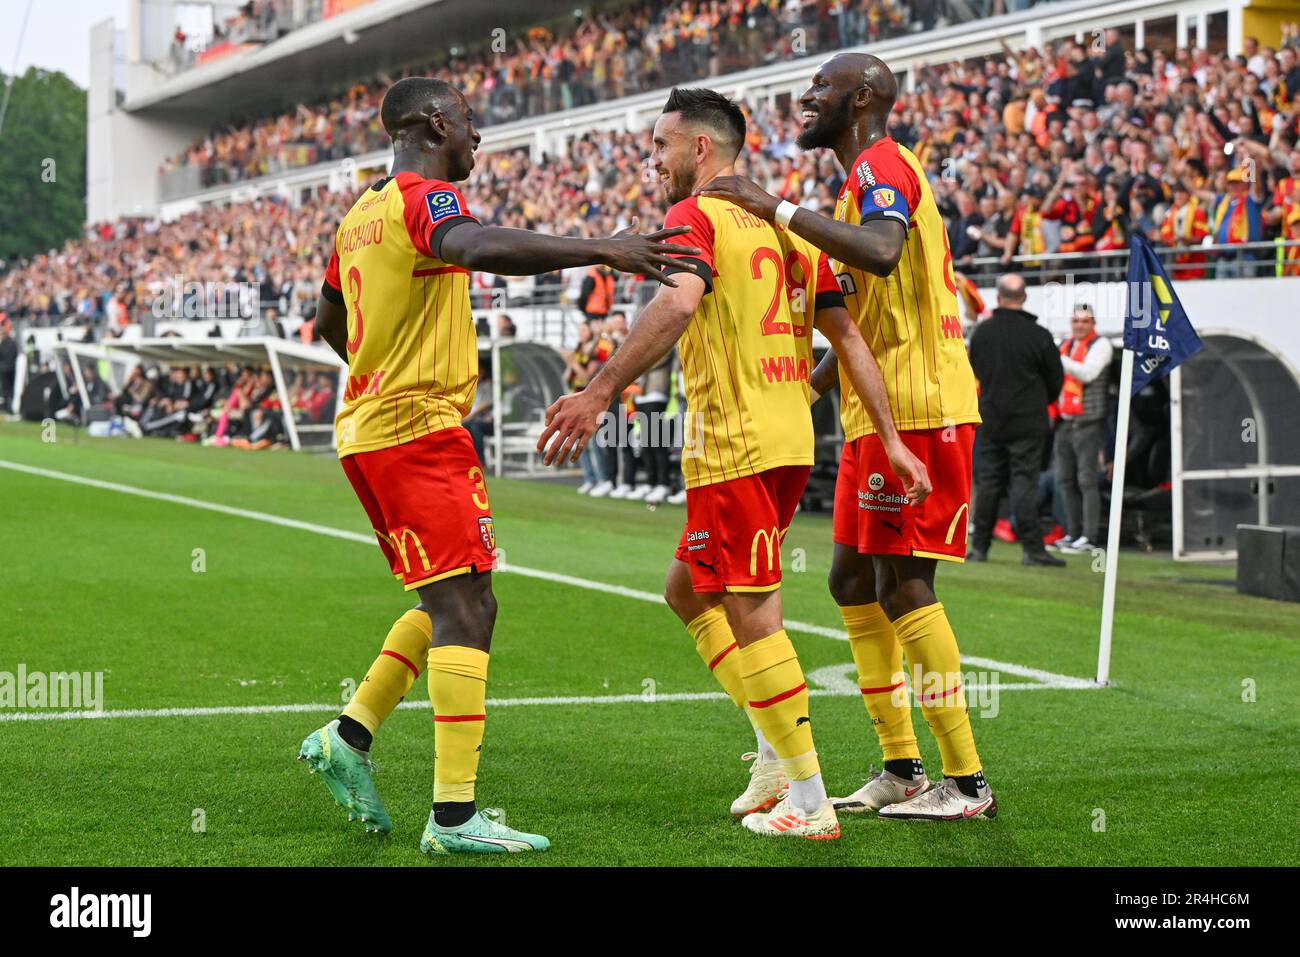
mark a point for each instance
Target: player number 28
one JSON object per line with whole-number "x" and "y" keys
{"x": 792, "y": 276}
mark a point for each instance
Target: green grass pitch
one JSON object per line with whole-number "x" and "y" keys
{"x": 1173, "y": 762}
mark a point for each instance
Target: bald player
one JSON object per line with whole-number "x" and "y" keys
{"x": 395, "y": 307}
{"x": 741, "y": 312}
{"x": 890, "y": 252}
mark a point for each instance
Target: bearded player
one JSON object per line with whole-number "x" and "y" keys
{"x": 889, "y": 249}
{"x": 741, "y": 313}
{"x": 395, "y": 307}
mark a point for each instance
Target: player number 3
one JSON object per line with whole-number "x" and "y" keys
{"x": 354, "y": 287}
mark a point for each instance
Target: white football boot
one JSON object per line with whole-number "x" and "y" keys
{"x": 881, "y": 790}
{"x": 786, "y": 820}
{"x": 945, "y": 802}
{"x": 767, "y": 785}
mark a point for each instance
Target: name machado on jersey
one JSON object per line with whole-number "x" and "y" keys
{"x": 412, "y": 347}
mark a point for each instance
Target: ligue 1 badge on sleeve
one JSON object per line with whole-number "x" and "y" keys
{"x": 487, "y": 532}
{"x": 443, "y": 203}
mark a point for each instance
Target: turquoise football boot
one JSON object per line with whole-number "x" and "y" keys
{"x": 481, "y": 834}
{"x": 346, "y": 772}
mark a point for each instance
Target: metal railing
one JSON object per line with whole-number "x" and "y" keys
{"x": 1186, "y": 263}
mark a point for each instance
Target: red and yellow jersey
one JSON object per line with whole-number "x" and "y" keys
{"x": 747, "y": 353}
{"x": 412, "y": 348}
{"x": 909, "y": 318}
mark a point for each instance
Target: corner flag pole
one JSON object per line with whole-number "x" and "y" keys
{"x": 1116, "y": 513}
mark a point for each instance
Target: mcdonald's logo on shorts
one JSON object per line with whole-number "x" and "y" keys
{"x": 772, "y": 539}
{"x": 399, "y": 545}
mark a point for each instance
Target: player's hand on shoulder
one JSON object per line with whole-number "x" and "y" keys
{"x": 744, "y": 192}
{"x": 648, "y": 254}
{"x": 571, "y": 421}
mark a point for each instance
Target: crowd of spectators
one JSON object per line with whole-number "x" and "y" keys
{"x": 595, "y": 57}
{"x": 1064, "y": 149}
{"x": 1075, "y": 148}
{"x": 265, "y": 250}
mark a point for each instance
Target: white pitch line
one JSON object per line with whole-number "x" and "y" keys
{"x": 256, "y": 709}
{"x": 1048, "y": 678}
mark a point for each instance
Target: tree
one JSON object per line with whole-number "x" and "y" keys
{"x": 42, "y": 164}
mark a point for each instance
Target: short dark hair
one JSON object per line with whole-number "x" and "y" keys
{"x": 719, "y": 114}
{"x": 407, "y": 97}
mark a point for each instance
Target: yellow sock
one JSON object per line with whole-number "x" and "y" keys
{"x": 716, "y": 647}
{"x": 393, "y": 672}
{"x": 879, "y": 658}
{"x": 458, "y": 690}
{"x": 932, "y": 649}
{"x": 778, "y": 701}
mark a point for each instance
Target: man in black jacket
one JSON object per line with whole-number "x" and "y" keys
{"x": 1019, "y": 372}
{"x": 8, "y": 367}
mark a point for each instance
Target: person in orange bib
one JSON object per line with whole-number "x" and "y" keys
{"x": 394, "y": 306}
{"x": 889, "y": 249}
{"x": 742, "y": 316}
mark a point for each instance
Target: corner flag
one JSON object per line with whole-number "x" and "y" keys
{"x": 1158, "y": 337}
{"x": 1156, "y": 327}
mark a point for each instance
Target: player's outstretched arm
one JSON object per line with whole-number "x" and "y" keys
{"x": 864, "y": 376}
{"x": 875, "y": 246}
{"x": 332, "y": 324}
{"x": 573, "y": 419}
{"x": 520, "y": 252}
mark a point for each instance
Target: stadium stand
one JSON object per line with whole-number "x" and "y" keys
{"x": 599, "y": 57}
{"x": 1030, "y": 153}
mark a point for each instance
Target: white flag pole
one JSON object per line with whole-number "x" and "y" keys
{"x": 1116, "y": 512}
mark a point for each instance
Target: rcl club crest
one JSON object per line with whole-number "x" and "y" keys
{"x": 487, "y": 532}
{"x": 883, "y": 197}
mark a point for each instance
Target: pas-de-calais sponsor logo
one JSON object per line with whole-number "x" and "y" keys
{"x": 876, "y": 482}
{"x": 78, "y": 690}
{"x": 134, "y": 911}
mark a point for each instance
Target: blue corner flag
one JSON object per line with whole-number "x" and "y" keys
{"x": 1156, "y": 327}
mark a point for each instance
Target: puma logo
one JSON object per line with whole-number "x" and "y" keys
{"x": 898, "y": 529}
{"x": 706, "y": 565}
{"x": 803, "y": 720}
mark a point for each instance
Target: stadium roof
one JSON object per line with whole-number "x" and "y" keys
{"x": 317, "y": 60}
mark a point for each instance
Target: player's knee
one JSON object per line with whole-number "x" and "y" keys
{"x": 850, "y": 587}
{"x": 680, "y": 595}
{"x": 906, "y": 597}
{"x": 488, "y": 608}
